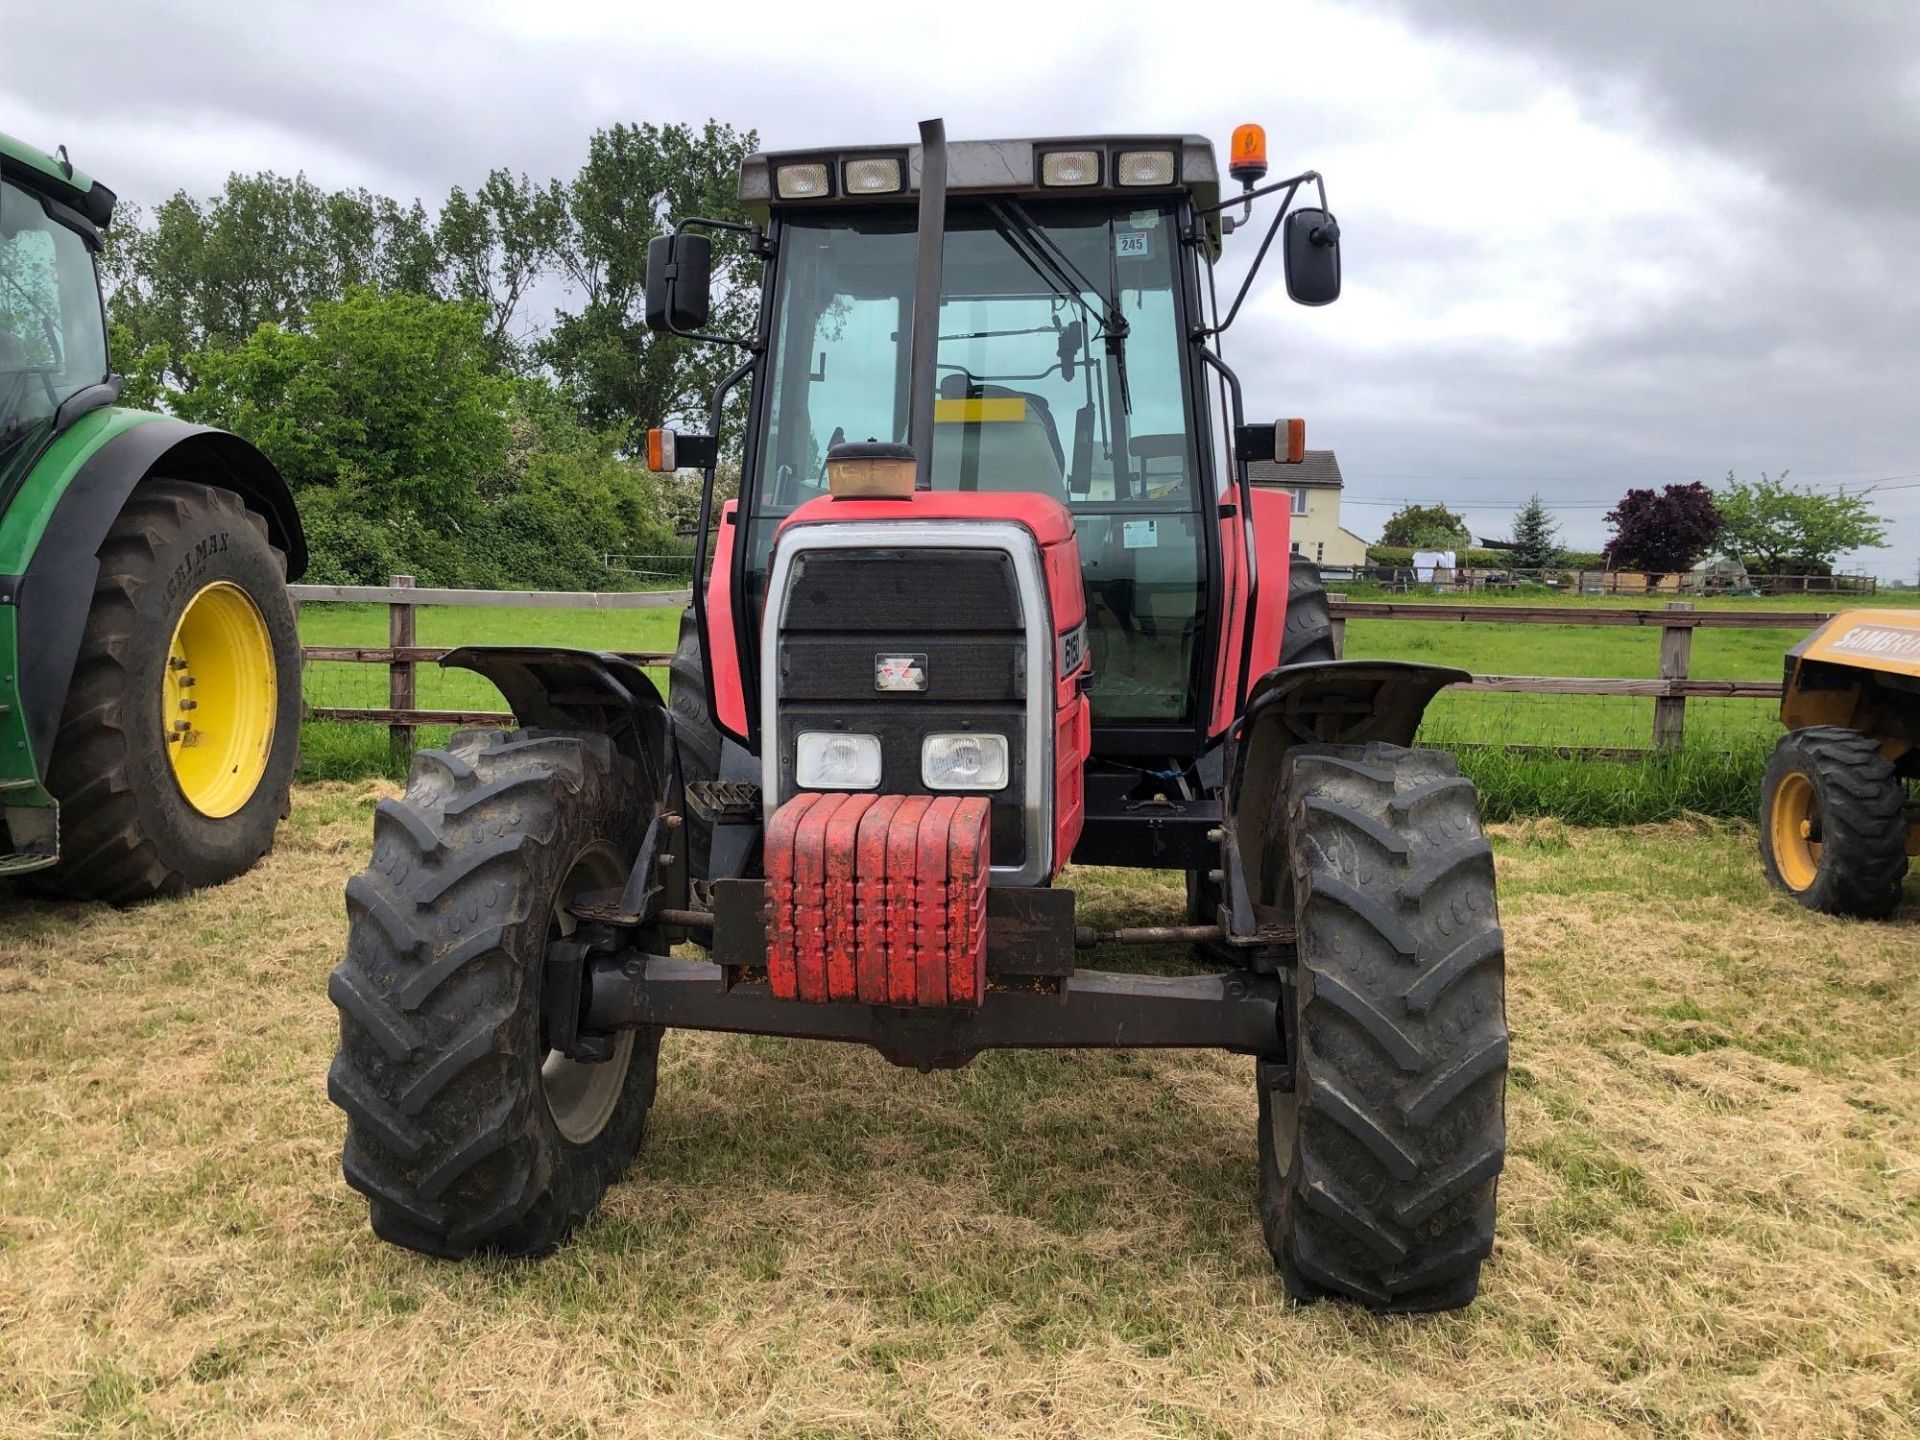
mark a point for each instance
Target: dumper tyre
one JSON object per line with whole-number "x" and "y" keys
{"x": 695, "y": 733}
{"x": 1833, "y": 826}
{"x": 1381, "y": 1143}
{"x": 174, "y": 759}
{"x": 463, "y": 1131}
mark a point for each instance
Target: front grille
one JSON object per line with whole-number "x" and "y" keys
{"x": 905, "y": 590}
{"x": 961, "y": 609}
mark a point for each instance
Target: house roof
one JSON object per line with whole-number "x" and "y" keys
{"x": 1318, "y": 468}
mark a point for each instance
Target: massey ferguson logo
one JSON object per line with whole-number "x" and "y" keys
{"x": 900, "y": 672}
{"x": 1879, "y": 640}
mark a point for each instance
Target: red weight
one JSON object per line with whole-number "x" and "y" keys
{"x": 930, "y": 903}
{"x": 842, "y": 933}
{"x": 870, "y": 901}
{"x": 782, "y": 933}
{"x": 903, "y": 883}
{"x": 967, "y": 871}
{"x": 809, "y": 899}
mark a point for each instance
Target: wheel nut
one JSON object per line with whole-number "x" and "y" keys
{"x": 180, "y": 727}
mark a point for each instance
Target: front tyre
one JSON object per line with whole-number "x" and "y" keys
{"x": 1833, "y": 826}
{"x": 463, "y": 1131}
{"x": 1382, "y": 1142}
{"x": 181, "y": 727}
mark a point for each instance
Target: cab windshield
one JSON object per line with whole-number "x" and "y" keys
{"x": 52, "y": 336}
{"x": 1037, "y": 391}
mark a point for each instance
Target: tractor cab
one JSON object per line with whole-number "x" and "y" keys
{"x": 53, "y": 336}
{"x": 1062, "y": 370}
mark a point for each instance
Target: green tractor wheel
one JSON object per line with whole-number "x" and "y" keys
{"x": 181, "y": 728}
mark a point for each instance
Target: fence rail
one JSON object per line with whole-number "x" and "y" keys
{"x": 1669, "y": 690}
{"x": 1407, "y": 579}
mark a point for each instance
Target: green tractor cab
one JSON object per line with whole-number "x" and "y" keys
{"x": 1839, "y": 811}
{"x": 149, "y": 664}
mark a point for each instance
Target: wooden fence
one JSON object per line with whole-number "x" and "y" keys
{"x": 1669, "y": 691}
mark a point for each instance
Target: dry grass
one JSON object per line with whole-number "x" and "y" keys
{"x": 1710, "y": 1223}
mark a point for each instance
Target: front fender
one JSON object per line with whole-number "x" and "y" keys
{"x": 558, "y": 688}
{"x": 1332, "y": 702}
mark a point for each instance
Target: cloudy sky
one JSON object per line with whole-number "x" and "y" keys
{"x": 1586, "y": 245}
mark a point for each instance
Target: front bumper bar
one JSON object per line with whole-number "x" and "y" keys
{"x": 1091, "y": 1009}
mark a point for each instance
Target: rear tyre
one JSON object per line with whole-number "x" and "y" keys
{"x": 1308, "y": 638}
{"x": 1382, "y": 1143}
{"x": 181, "y": 727}
{"x": 463, "y": 1131}
{"x": 694, "y": 730}
{"x": 1833, "y": 826}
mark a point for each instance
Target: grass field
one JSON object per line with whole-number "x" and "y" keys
{"x": 1710, "y": 1218}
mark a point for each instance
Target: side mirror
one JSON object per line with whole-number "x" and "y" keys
{"x": 679, "y": 281}
{"x": 1311, "y": 246}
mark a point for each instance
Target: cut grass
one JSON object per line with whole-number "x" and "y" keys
{"x": 1710, "y": 1218}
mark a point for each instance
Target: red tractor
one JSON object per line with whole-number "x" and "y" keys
{"x": 996, "y": 594}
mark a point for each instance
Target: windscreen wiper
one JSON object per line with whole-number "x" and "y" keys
{"x": 1044, "y": 255}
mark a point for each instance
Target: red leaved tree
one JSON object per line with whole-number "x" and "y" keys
{"x": 1664, "y": 532}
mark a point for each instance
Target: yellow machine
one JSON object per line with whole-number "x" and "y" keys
{"x": 1838, "y": 813}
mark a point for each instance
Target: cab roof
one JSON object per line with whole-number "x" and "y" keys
{"x": 56, "y": 177}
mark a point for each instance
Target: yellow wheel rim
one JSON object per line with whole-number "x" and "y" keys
{"x": 1795, "y": 852}
{"x": 219, "y": 699}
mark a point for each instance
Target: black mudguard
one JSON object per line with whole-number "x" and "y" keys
{"x": 56, "y": 592}
{"x": 557, "y": 688}
{"x": 1333, "y": 702}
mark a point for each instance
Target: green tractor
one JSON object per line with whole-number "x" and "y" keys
{"x": 149, "y": 664}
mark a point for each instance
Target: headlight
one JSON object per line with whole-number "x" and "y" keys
{"x": 964, "y": 762}
{"x": 833, "y": 760}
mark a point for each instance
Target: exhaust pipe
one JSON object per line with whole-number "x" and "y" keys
{"x": 929, "y": 254}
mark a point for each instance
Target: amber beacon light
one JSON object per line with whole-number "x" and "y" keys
{"x": 1247, "y": 156}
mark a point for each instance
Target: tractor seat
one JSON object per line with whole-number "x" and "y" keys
{"x": 987, "y": 437}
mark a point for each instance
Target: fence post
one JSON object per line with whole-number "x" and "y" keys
{"x": 1339, "y": 628}
{"x": 400, "y": 678}
{"x": 1670, "y": 711}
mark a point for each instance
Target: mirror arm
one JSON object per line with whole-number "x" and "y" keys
{"x": 1292, "y": 187}
{"x": 760, "y": 246}
{"x": 1248, "y": 196}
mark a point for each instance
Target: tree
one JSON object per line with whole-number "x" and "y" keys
{"x": 204, "y": 276}
{"x": 637, "y": 179}
{"x": 494, "y": 244}
{"x": 392, "y": 396}
{"x": 1426, "y": 527}
{"x": 1534, "y": 546}
{"x": 1783, "y": 528}
{"x": 1664, "y": 532}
